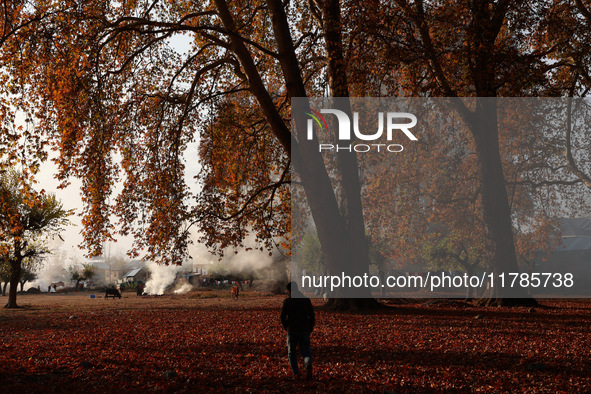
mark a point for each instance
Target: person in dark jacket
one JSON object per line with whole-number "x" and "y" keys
{"x": 297, "y": 318}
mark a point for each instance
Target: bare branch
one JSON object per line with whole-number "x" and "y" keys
{"x": 584, "y": 11}
{"x": 572, "y": 165}
{"x": 536, "y": 185}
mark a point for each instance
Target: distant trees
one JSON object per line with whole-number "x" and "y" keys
{"x": 310, "y": 254}
{"x": 26, "y": 276}
{"x": 4, "y": 273}
{"x": 75, "y": 275}
{"x": 25, "y": 215}
{"x": 451, "y": 253}
{"x": 88, "y": 272}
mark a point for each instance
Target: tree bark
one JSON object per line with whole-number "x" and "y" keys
{"x": 484, "y": 27}
{"x": 341, "y": 234}
{"x": 501, "y": 256}
{"x": 351, "y": 207}
{"x": 15, "y": 275}
{"x": 333, "y": 229}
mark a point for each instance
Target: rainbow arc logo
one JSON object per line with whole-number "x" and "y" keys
{"x": 319, "y": 119}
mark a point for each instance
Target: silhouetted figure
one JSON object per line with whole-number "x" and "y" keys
{"x": 297, "y": 318}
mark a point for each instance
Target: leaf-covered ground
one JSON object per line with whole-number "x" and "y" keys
{"x": 70, "y": 343}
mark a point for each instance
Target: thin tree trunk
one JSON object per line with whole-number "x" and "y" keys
{"x": 15, "y": 265}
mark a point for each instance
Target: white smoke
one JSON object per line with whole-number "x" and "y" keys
{"x": 249, "y": 259}
{"x": 42, "y": 284}
{"x": 53, "y": 269}
{"x": 185, "y": 288}
{"x": 161, "y": 277}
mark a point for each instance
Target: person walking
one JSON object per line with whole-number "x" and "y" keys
{"x": 298, "y": 319}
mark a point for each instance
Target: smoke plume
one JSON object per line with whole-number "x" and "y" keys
{"x": 185, "y": 288}
{"x": 161, "y": 277}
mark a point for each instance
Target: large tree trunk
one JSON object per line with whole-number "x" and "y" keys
{"x": 342, "y": 236}
{"x": 340, "y": 245}
{"x": 500, "y": 245}
{"x": 486, "y": 23}
{"x": 351, "y": 206}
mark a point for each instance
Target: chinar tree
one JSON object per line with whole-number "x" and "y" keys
{"x": 25, "y": 215}
{"x": 105, "y": 80}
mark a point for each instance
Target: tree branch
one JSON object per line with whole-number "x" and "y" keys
{"x": 570, "y": 160}
{"x": 420, "y": 20}
{"x": 256, "y": 84}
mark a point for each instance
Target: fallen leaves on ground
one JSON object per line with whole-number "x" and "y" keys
{"x": 238, "y": 345}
